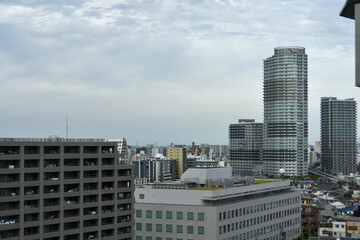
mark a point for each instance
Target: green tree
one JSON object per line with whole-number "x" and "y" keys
{"x": 305, "y": 233}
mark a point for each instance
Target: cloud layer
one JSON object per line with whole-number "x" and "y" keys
{"x": 164, "y": 71}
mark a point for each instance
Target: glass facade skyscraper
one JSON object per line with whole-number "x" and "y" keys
{"x": 338, "y": 135}
{"x": 286, "y": 112}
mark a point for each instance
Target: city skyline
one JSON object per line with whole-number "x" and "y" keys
{"x": 160, "y": 71}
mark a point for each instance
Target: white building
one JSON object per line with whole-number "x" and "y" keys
{"x": 269, "y": 211}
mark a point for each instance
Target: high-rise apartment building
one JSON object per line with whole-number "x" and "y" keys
{"x": 245, "y": 146}
{"x": 62, "y": 189}
{"x": 338, "y": 135}
{"x": 286, "y": 112}
{"x": 179, "y": 154}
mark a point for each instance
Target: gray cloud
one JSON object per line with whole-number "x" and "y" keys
{"x": 159, "y": 70}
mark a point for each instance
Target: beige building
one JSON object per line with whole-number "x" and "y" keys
{"x": 179, "y": 154}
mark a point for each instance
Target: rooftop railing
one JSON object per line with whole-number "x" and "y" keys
{"x": 52, "y": 139}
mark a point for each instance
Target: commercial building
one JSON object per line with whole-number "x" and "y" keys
{"x": 64, "y": 189}
{"x": 268, "y": 211}
{"x": 245, "y": 146}
{"x": 154, "y": 169}
{"x": 286, "y": 112}
{"x": 179, "y": 154}
{"x": 338, "y": 135}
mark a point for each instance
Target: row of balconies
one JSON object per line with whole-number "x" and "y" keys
{"x": 30, "y": 150}
{"x": 90, "y": 229}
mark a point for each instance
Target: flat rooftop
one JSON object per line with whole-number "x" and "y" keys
{"x": 197, "y": 196}
{"x": 52, "y": 139}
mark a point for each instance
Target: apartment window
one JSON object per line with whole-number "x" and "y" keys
{"x": 148, "y": 227}
{"x": 201, "y": 230}
{"x": 169, "y": 228}
{"x": 148, "y": 214}
{"x": 169, "y": 215}
{"x": 138, "y": 213}
{"x": 190, "y": 229}
{"x": 159, "y": 227}
{"x": 201, "y": 216}
{"x": 179, "y": 228}
{"x": 190, "y": 216}
{"x": 179, "y": 215}
{"x": 159, "y": 214}
{"x": 138, "y": 226}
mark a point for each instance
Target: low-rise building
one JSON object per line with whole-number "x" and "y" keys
{"x": 310, "y": 215}
{"x": 333, "y": 229}
{"x": 181, "y": 211}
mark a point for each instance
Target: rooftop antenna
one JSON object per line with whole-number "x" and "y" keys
{"x": 67, "y": 126}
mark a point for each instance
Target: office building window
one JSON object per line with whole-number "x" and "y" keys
{"x": 148, "y": 227}
{"x": 138, "y": 226}
{"x": 159, "y": 214}
{"x": 179, "y": 215}
{"x": 169, "y": 228}
{"x": 190, "y": 229}
{"x": 158, "y": 227}
{"x": 169, "y": 215}
{"x": 179, "y": 228}
{"x": 201, "y": 230}
{"x": 201, "y": 216}
{"x": 190, "y": 216}
{"x": 138, "y": 213}
{"x": 148, "y": 214}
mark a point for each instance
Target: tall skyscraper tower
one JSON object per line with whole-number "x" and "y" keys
{"x": 338, "y": 135}
{"x": 245, "y": 146}
{"x": 286, "y": 112}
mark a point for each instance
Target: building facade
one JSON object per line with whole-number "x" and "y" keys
{"x": 286, "y": 112}
{"x": 154, "y": 170}
{"x": 268, "y": 211}
{"x": 64, "y": 189}
{"x": 245, "y": 146}
{"x": 338, "y": 135}
{"x": 179, "y": 154}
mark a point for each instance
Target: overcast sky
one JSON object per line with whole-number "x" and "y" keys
{"x": 160, "y": 71}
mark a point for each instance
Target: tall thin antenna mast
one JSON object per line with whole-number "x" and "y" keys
{"x": 67, "y": 126}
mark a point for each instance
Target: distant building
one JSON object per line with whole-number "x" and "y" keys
{"x": 179, "y": 154}
{"x": 286, "y": 112}
{"x": 178, "y": 210}
{"x": 310, "y": 215}
{"x": 220, "y": 150}
{"x": 122, "y": 148}
{"x": 312, "y": 155}
{"x": 202, "y": 161}
{"x": 245, "y": 146}
{"x": 155, "y": 169}
{"x": 62, "y": 189}
{"x": 338, "y": 135}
